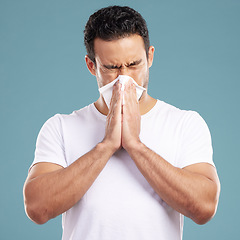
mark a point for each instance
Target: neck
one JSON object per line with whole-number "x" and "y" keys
{"x": 146, "y": 103}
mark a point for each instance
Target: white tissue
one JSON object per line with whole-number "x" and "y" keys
{"x": 106, "y": 90}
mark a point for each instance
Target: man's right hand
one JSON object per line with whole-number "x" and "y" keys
{"x": 113, "y": 123}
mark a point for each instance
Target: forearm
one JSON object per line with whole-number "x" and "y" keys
{"x": 49, "y": 195}
{"x": 189, "y": 193}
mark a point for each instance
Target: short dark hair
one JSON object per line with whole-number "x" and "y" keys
{"x": 114, "y": 22}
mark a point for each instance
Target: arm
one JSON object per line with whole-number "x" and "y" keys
{"x": 51, "y": 189}
{"x": 192, "y": 191}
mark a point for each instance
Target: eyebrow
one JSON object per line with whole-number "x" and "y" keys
{"x": 133, "y": 63}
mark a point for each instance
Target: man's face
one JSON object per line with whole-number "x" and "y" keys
{"x": 124, "y": 56}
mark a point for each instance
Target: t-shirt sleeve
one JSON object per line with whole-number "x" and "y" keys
{"x": 50, "y": 145}
{"x": 196, "y": 141}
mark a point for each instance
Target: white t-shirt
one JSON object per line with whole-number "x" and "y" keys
{"x": 121, "y": 205}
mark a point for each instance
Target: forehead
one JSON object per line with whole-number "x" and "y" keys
{"x": 121, "y": 50}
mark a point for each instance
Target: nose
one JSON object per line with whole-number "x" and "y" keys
{"x": 123, "y": 71}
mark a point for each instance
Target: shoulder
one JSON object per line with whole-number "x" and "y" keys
{"x": 59, "y": 120}
{"x": 59, "y": 117}
{"x": 174, "y": 112}
{"x": 185, "y": 119}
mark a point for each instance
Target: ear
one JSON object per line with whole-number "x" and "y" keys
{"x": 90, "y": 65}
{"x": 150, "y": 55}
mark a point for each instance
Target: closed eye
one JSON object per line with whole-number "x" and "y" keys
{"x": 112, "y": 67}
{"x": 134, "y": 63}
{"x": 115, "y": 67}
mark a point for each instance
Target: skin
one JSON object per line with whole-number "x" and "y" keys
{"x": 193, "y": 190}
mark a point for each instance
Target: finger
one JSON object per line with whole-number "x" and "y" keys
{"x": 115, "y": 94}
{"x": 130, "y": 93}
{"x": 133, "y": 91}
{"x": 116, "y": 102}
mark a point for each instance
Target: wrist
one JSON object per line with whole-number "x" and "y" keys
{"x": 108, "y": 146}
{"x": 133, "y": 146}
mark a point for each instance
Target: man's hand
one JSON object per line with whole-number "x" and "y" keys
{"x": 131, "y": 118}
{"x": 113, "y": 124}
{"x": 123, "y": 121}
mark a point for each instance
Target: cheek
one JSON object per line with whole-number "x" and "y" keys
{"x": 140, "y": 75}
{"x": 104, "y": 77}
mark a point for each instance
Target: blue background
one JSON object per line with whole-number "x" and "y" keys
{"x": 42, "y": 72}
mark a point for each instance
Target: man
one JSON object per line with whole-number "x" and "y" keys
{"x": 130, "y": 171}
